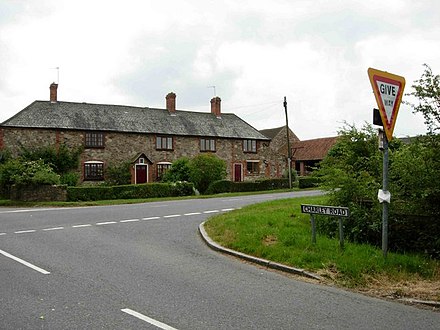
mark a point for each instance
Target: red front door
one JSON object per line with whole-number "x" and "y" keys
{"x": 141, "y": 173}
{"x": 237, "y": 172}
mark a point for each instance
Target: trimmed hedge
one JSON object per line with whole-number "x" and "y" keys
{"x": 223, "y": 186}
{"x": 308, "y": 182}
{"x": 148, "y": 190}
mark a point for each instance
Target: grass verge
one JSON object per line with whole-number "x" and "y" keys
{"x": 278, "y": 231}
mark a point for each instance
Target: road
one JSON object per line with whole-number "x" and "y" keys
{"x": 144, "y": 266}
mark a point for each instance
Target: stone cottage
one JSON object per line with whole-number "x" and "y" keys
{"x": 149, "y": 138}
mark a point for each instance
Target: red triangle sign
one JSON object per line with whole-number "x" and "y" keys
{"x": 388, "y": 90}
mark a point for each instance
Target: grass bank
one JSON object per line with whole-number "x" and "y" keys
{"x": 278, "y": 231}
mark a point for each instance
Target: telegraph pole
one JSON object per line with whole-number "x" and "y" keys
{"x": 289, "y": 152}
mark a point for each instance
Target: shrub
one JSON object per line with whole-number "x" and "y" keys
{"x": 70, "y": 179}
{"x": 148, "y": 190}
{"x": 222, "y": 186}
{"x": 205, "y": 169}
{"x": 36, "y": 173}
{"x": 179, "y": 171}
{"x": 118, "y": 174}
{"x": 308, "y": 182}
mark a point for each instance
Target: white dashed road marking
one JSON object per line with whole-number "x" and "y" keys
{"x": 82, "y": 226}
{"x": 25, "y": 231}
{"x": 120, "y": 221}
{"x": 105, "y": 223}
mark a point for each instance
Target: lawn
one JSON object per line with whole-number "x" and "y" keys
{"x": 279, "y": 232}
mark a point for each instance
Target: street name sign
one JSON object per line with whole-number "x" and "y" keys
{"x": 388, "y": 90}
{"x": 335, "y": 211}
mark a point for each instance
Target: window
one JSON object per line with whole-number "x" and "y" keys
{"x": 250, "y": 145}
{"x": 94, "y": 140}
{"x": 164, "y": 143}
{"x": 207, "y": 145}
{"x": 161, "y": 169}
{"x": 94, "y": 171}
{"x": 253, "y": 167}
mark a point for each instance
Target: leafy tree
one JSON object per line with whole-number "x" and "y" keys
{"x": 206, "y": 168}
{"x": 352, "y": 172}
{"x": 179, "y": 171}
{"x": 427, "y": 91}
{"x": 5, "y": 155}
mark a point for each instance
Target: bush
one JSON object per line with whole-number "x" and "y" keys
{"x": 179, "y": 171}
{"x": 222, "y": 186}
{"x": 33, "y": 173}
{"x": 70, "y": 179}
{"x": 308, "y": 182}
{"x": 148, "y": 190}
{"x": 205, "y": 169}
{"x": 118, "y": 174}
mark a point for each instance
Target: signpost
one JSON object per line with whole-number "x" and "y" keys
{"x": 388, "y": 90}
{"x": 336, "y": 211}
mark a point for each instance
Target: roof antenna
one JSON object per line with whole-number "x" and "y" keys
{"x": 213, "y": 86}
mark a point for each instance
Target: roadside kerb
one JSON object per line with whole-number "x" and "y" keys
{"x": 259, "y": 261}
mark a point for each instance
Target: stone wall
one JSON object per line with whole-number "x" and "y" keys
{"x": 43, "y": 193}
{"x": 121, "y": 147}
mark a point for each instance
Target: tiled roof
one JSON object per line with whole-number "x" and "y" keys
{"x": 271, "y": 132}
{"x": 315, "y": 149}
{"x": 101, "y": 117}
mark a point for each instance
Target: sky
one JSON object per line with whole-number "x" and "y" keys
{"x": 255, "y": 53}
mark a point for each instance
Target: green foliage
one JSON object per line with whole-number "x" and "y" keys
{"x": 308, "y": 182}
{"x": 118, "y": 174}
{"x": 206, "y": 168}
{"x": 62, "y": 160}
{"x": 179, "y": 171}
{"x": 148, "y": 190}
{"x": 223, "y": 186}
{"x": 5, "y": 155}
{"x": 35, "y": 173}
{"x": 352, "y": 173}
{"x": 70, "y": 179}
{"x": 278, "y": 231}
{"x": 427, "y": 91}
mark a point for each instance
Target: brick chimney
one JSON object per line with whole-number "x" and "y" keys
{"x": 53, "y": 93}
{"x": 215, "y": 106}
{"x": 171, "y": 102}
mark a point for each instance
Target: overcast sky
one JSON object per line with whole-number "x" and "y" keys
{"x": 255, "y": 52}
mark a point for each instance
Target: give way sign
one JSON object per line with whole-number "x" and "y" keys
{"x": 388, "y": 90}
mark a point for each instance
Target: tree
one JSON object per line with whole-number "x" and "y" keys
{"x": 206, "y": 168}
{"x": 427, "y": 91}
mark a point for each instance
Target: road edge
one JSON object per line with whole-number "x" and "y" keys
{"x": 259, "y": 261}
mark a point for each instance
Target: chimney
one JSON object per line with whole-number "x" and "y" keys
{"x": 171, "y": 102}
{"x": 215, "y": 106}
{"x": 53, "y": 93}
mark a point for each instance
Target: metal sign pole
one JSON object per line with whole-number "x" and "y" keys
{"x": 385, "y": 204}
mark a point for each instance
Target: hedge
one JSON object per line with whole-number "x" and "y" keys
{"x": 223, "y": 186}
{"x": 148, "y": 190}
{"x": 307, "y": 182}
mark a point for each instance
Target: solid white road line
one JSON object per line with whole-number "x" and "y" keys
{"x": 82, "y": 226}
{"x": 25, "y": 231}
{"x": 147, "y": 319}
{"x": 38, "y": 269}
{"x": 54, "y": 228}
{"x": 105, "y": 223}
{"x": 172, "y": 216}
